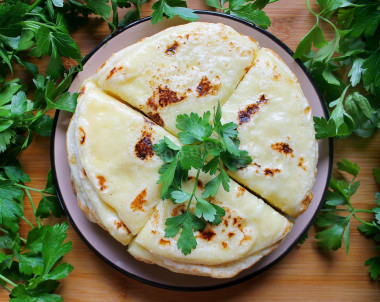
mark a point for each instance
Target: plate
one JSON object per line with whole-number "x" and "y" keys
{"x": 112, "y": 251}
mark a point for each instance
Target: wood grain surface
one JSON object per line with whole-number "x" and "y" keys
{"x": 305, "y": 274}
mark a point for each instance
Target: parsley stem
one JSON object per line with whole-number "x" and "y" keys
{"x": 7, "y": 280}
{"x": 28, "y": 222}
{"x": 194, "y": 188}
{"x": 310, "y": 9}
{"x": 6, "y": 232}
{"x": 363, "y": 211}
{"x": 27, "y": 23}
{"x": 362, "y": 221}
{"x": 33, "y": 6}
{"x": 33, "y": 207}
{"x": 34, "y": 117}
{"x": 332, "y": 25}
{"x": 7, "y": 288}
{"x": 197, "y": 177}
{"x": 27, "y": 188}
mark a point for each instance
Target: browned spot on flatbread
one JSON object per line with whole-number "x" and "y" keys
{"x": 82, "y": 90}
{"x": 155, "y": 220}
{"x": 240, "y": 192}
{"x": 102, "y": 182}
{"x": 236, "y": 220}
{"x": 230, "y": 234}
{"x": 180, "y": 209}
{"x": 157, "y": 118}
{"x": 138, "y": 203}
{"x": 206, "y": 234}
{"x": 307, "y": 110}
{"x": 305, "y": 203}
{"x": 162, "y": 97}
{"x": 244, "y": 116}
{"x": 73, "y": 160}
{"x": 253, "y": 164}
{"x": 206, "y": 87}
{"x": 271, "y": 172}
{"x": 74, "y": 187}
{"x": 82, "y": 136}
{"x": 276, "y": 76}
{"x": 120, "y": 225}
{"x": 300, "y": 163}
{"x": 113, "y": 71}
{"x": 199, "y": 182}
{"x": 172, "y": 49}
{"x": 224, "y": 244}
{"x": 151, "y": 103}
{"x": 283, "y": 148}
{"x": 164, "y": 242}
{"x": 144, "y": 147}
{"x": 245, "y": 238}
{"x": 101, "y": 66}
{"x": 167, "y": 96}
{"x": 84, "y": 172}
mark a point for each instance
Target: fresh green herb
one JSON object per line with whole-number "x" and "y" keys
{"x": 347, "y": 68}
{"x": 30, "y": 268}
{"x": 334, "y": 225}
{"x": 248, "y": 10}
{"x": 197, "y": 136}
{"x": 347, "y": 72}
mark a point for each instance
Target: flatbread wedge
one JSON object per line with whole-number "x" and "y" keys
{"x": 276, "y": 127}
{"x": 186, "y": 68}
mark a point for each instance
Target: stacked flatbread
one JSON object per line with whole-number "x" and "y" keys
{"x": 132, "y": 102}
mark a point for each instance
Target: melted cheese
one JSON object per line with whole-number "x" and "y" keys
{"x": 115, "y": 147}
{"x": 89, "y": 202}
{"x": 248, "y": 226}
{"x": 179, "y": 70}
{"x": 226, "y": 270}
{"x": 276, "y": 128}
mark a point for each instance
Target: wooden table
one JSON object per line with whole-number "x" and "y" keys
{"x": 305, "y": 274}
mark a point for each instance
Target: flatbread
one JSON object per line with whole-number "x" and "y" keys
{"x": 227, "y": 270}
{"x": 276, "y": 127}
{"x": 248, "y": 226}
{"x": 115, "y": 147}
{"x": 187, "y": 68}
{"x": 89, "y": 202}
{"x": 183, "y": 69}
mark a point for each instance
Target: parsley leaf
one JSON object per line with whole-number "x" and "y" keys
{"x": 167, "y": 176}
{"x": 10, "y": 197}
{"x": 197, "y": 136}
{"x": 334, "y": 227}
{"x": 172, "y": 8}
{"x": 205, "y": 209}
{"x": 374, "y": 267}
{"x": 346, "y": 68}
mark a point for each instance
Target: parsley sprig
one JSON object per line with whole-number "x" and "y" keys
{"x": 251, "y": 11}
{"x": 346, "y": 68}
{"x": 334, "y": 225}
{"x": 30, "y": 268}
{"x": 207, "y": 148}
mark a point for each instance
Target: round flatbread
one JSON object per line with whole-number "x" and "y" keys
{"x": 132, "y": 102}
